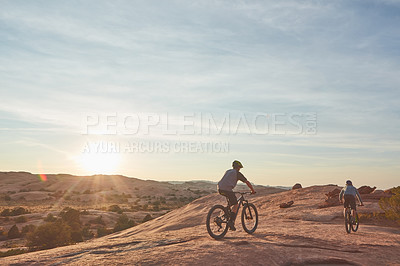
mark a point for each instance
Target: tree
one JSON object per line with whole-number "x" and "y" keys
{"x": 50, "y": 235}
{"x": 13, "y": 232}
{"x": 123, "y": 223}
{"x": 70, "y": 216}
{"x": 102, "y": 231}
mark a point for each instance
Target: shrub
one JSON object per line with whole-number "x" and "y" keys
{"x": 103, "y": 231}
{"x": 147, "y": 218}
{"x": 76, "y": 236}
{"x": 14, "y": 212}
{"x": 5, "y": 212}
{"x": 50, "y": 218}
{"x": 50, "y": 235}
{"x": 123, "y": 223}
{"x": 27, "y": 229}
{"x": 13, "y": 232}
{"x": 98, "y": 220}
{"x": 85, "y": 212}
{"x": 70, "y": 216}
{"x": 11, "y": 252}
{"x": 18, "y": 211}
{"x": 391, "y": 206}
{"x": 87, "y": 233}
{"x": 21, "y": 219}
{"x": 115, "y": 208}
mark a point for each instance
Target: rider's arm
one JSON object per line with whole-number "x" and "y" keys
{"x": 359, "y": 197}
{"x": 250, "y": 186}
{"x": 242, "y": 178}
{"x": 341, "y": 195}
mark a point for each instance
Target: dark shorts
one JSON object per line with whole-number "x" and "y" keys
{"x": 349, "y": 200}
{"x": 230, "y": 195}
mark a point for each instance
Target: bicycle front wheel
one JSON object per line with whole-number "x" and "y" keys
{"x": 354, "y": 226}
{"x": 217, "y": 222}
{"x": 249, "y": 218}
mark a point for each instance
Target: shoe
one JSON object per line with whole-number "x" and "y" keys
{"x": 231, "y": 225}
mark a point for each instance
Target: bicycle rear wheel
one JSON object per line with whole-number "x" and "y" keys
{"x": 354, "y": 226}
{"x": 249, "y": 218}
{"x": 347, "y": 221}
{"x": 217, "y": 222}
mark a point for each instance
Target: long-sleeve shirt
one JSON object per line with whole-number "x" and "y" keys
{"x": 350, "y": 190}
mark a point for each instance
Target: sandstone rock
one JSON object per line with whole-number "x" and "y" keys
{"x": 376, "y": 195}
{"x": 286, "y": 204}
{"x": 366, "y": 189}
{"x": 330, "y": 202}
{"x": 389, "y": 191}
{"x": 332, "y": 199}
{"x": 333, "y": 193}
{"x": 297, "y": 186}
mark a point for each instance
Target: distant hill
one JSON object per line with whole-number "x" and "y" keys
{"x": 30, "y": 187}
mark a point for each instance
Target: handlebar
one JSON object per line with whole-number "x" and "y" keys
{"x": 243, "y": 193}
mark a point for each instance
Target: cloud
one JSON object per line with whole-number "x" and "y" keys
{"x": 337, "y": 59}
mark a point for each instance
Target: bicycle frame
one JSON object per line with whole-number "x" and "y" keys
{"x": 241, "y": 201}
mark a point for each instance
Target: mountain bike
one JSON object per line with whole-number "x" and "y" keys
{"x": 218, "y": 217}
{"x": 351, "y": 223}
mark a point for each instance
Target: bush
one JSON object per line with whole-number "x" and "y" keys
{"x": 70, "y": 216}
{"x": 21, "y": 219}
{"x": 87, "y": 233}
{"x": 103, "y": 231}
{"x": 98, "y": 220}
{"x": 14, "y": 212}
{"x": 85, "y": 212}
{"x": 391, "y": 206}
{"x": 115, "y": 208}
{"x": 5, "y": 213}
{"x": 19, "y": 211}
{"x": 147, "y": 218}
{"x": 13, "y": 232}
{"x": 50, "y": 235}
{"x": 123, "y": 223}
{"x": 50, "y": 218}
{"x": 7, "y": 198}
{"x": 11, "y": 252}
{"x": 27, "y": 229}
{"x": 76, "y": 236}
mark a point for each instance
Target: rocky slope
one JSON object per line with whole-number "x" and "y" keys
{"x": 300, "y": 235}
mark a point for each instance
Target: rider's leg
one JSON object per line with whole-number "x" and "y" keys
{"x": 234, "y": 211}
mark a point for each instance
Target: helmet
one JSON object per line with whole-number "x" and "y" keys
{"x": 237, "y": 164}
{"x": 348, "y": 182}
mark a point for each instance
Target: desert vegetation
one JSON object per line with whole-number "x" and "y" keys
{"x": 67, "y": 209}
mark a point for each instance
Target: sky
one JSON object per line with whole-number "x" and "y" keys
{"x": 298, "y": 91}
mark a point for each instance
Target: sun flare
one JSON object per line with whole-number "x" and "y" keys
{"x": 99, "y": 163}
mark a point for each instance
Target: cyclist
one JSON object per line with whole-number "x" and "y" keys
{"x": 225, "y": 188}
{"x": 349, "y": 193}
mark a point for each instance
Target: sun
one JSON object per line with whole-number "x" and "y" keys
{"x": 99, "y": 163}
